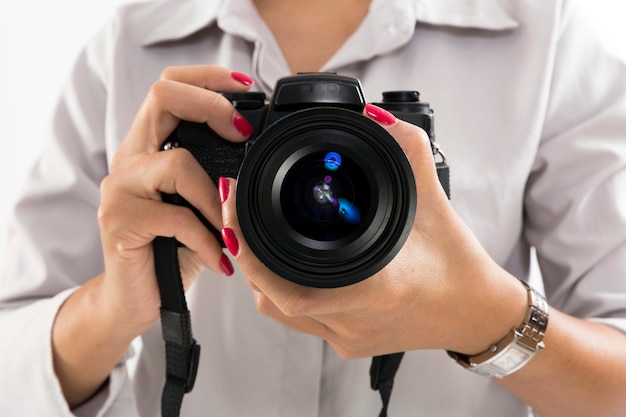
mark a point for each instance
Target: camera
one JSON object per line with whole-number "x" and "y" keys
{"x": 325, "y": 196}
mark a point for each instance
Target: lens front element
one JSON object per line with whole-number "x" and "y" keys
{"x": 325, "y": 197}
{"x": 322, "y": 198}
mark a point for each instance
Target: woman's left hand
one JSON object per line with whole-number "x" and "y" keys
{"x": 441, "y": 291}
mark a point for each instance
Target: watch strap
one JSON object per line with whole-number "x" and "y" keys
{"x": 517, "y": 348}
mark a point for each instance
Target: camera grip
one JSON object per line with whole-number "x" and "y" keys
{"x": 217, "y": 156}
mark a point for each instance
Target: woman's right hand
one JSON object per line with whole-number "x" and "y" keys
{"x": 96, "y": 324}
{"x": 132, "y": 212}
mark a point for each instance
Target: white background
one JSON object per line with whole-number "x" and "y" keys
{"x": 39, "y": 40}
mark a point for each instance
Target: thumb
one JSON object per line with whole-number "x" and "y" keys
{"x": 416, "y": 145}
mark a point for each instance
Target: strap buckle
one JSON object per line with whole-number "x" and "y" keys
{"x": 194, "y": 361}
{"x": 180, "y": 348}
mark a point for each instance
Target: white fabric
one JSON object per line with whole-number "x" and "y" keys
{"x": 530, "y": 112}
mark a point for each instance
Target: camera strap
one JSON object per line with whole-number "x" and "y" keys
{"x": 382, "y": 373}
{"x": 182, "y": 353}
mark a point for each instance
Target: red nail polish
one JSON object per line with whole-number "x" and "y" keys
{"x": 226, "y": 266}
{"x": 380, "y": 115}
{"x": 224, "y": 188}
{"x": 230, "y": 240}
{"x": 242, "y": 125}
{"x": 242, "y": 78}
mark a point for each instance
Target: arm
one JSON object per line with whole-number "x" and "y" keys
{"x": 581, "y": 372}
{"x": 81, "y": 336}
{"x": 61, "y": 193}
{"x": 576, "y": 220}
{"x": 442, "y": 291}
{"x": 97, "y": 323}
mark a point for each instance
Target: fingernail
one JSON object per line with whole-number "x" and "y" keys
{"x": 242, "y": 125}
{"x": 224, "y": 188}
{"x": 230, "y": 240}
{"x": 227, "y": 267}
{"x": 242, "y": 78}
{"x": 380, "y": 115}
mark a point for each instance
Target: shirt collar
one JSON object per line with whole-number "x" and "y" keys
{"x": 470, "y": 14}
{"x": 180, "y": 19}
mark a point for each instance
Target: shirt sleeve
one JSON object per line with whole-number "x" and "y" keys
{"x": 29, "y": 386}
{"x": 576, "y": 195}
{"x": 54, "y": 247}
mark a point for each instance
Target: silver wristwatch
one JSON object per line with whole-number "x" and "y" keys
{"x": 517, "y": 348}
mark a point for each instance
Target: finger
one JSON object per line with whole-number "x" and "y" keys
{"x": 344, "y": 332}
{"x": 303, "y": 324}
{"x": 182, "y": 94}
{"x": 416, "y": 145}
{"x": 209, "y": 77}
{"x": 259, "y": 277}
{"x": 128, "y": 223}
{"x": 174, "y": 171}
{"x": 169, "y": 102}
{"x": 291, "y": 299}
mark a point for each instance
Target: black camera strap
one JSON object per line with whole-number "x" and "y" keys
{"x": 182, "y": 353}
{"x": 382, "y": 373}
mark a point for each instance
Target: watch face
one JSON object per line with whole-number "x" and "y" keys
{"x": 511, "y": 359}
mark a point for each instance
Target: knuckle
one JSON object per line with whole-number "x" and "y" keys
{"x": 106, "y": 185}
{"x": 168, "y": 73}
{"x": 104, "y": 217}
{"x": 420, "y": 136}
{"x": 177, "y": 159}
{"x": 356, "y": 341}
{"x": 159, "y": 90}
{"x": 263, "y": 304}
{"x": 424, "y": 142}
{"x": 296, "y": 304}
{"x": 175, "y": 167}
{"x": 105, "y": 214}
{"x": 346, "y": 351}
{"x": 182, "y": 219}
{"x": 345, "y": 354}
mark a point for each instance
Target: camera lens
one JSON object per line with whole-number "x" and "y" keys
{"x": 325, "y": 197}
{"x": 322, "y": 197}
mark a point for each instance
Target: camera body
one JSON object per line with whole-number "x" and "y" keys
{"x": 325, "y": 196}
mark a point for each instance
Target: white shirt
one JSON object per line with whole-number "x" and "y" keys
{"x": 530, "y": 112}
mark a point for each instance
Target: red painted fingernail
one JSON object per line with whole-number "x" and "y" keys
{"x": 227, "y": 267}
{"x": 230, "y": 240}
{"x": 380, "y": 115}
{"x": 242, "y": 125}
{"x": 242, "y": 78}
{"x": 224, "y": 188}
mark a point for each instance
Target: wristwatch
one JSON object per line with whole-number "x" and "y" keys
{"x": 517, "y": 348}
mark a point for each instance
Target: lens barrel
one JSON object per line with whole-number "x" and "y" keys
{"x": 325, "y": 197}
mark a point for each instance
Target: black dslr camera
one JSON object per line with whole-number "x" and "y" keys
{"x": 325, "y": 196}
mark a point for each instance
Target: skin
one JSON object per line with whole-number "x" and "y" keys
{"x": 439, "y": 292}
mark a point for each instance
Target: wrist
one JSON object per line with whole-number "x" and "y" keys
{"x": 520, "y": 344}
{"x": 126, "y": 312}
{"x": 85, "y": 344}
{"x": 494, "y": 303}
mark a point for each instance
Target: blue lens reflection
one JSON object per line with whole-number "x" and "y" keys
{"x": 349, "y": 211}
{"x": 332, "y": 161}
